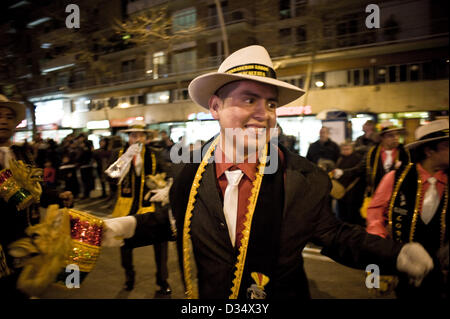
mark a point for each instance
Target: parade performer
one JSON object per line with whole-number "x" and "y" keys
{"x": 247, "y": 210}
{"x": 380, "y": 159}
{"x": 20, "y": 194}
{"x": 139, "y": 164}
{"x": 412, "y": 204}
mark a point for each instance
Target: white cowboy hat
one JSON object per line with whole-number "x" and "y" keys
{"x": 387, "y": 127}
{"x": 17, "y": 107}
{"x": 137, "y": 126}
{"x": 249, "y": 63}
{"x": 433, "y": 131}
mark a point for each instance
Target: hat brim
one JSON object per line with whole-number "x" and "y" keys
{"x": 131, "y": 130}
{"x": 204, "y": 86}
{"x": 18, "y": 108}
{"x": 401, "y": 129}
{"x": 418, "y": 143}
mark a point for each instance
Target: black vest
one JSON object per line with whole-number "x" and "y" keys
{"x": 404, "y": 214}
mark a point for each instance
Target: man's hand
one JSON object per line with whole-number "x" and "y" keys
{"x": 118, "y": 229}
{"x": 337, "y": 173}
{"x": 67, "y": 198}
{"x": 414, "y": 260}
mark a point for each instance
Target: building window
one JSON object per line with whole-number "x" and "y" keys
{"x": 184, "y": 19}
{"x": 402, "y": 73}
{"x": 185, "y": 61}
{"x": 181, "y": 94}
{"x": 301, "y": 34}
{"x": 414, "y": 71}
{"x": 285, "y": 36}
{"x": 128, "y": 66}
{"x": 334, "y": 79}
{"x": 392, "y": 73}
{"x": 381, "y": 74}
{"x": 366, "y": 77}
{"x": 285, "y": 9}
{"x": 158, "y": 97}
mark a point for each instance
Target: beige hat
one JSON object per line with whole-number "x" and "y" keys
{"x": 136, "y": 126}
{"x": 17, "y": 107}
{"x": 250, "y": 63}
{"x": 433, "y": 131}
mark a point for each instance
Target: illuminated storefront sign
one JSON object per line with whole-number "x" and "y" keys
{"x": 124, "y": 122}
{"x": 294, "y": 110}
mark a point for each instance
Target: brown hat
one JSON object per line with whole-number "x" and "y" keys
{"x": 17, "y": 107}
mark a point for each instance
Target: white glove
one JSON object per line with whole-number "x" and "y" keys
{"x": 337, "y": 173}
{"x": 414, "y": 260}
{"x": 118, "y": 229}
{"x": 119, "y": 169}
{"x": 162, "y": 194}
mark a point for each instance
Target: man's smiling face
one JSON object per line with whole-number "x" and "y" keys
{"x": 7, "y": 123}
{"x": 246, "y": 105}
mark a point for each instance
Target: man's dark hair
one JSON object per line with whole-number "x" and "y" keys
{"x": 419, "y": 153}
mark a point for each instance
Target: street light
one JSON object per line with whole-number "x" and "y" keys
{"x": 319, "y": 83}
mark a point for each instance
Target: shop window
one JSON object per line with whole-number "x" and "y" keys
{"x": 132, "y": 100}
{"x": 141, "y": 99}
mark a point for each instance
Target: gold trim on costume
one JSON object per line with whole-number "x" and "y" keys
{"x": 417, "y": 206}
{"x": 394, "y": 196}
{"x": 191, "y": 291}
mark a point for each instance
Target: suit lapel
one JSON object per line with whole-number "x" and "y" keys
{"x": 210, "y": 196}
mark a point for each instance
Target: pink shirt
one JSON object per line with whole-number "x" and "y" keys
{"x": 377, "y": 213}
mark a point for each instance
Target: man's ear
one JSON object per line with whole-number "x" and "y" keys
{"x": 214, "y": 105}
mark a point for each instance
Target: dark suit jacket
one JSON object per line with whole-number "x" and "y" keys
{"x": 306, "y": 217}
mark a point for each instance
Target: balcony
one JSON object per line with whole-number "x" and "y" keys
{"x": 229, "y": 17}
{"x": 165, "y": 71}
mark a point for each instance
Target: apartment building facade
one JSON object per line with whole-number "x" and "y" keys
{"x": 397, "y": 72}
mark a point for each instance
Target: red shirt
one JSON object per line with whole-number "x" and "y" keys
{"x": 245, "y": 185}
{"x": 377, "y": 213}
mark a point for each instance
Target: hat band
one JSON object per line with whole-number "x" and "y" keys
{"x": 443, "y": 133}
{"x": 253, "y": 69}
{"x": 137, "y": 127}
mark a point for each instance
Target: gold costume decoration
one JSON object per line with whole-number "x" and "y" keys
{"x": 191, "y": 292}
{"x": 20, "y": 184}
{"x": 123, "y": 204}
{"x": 44, "y": 252}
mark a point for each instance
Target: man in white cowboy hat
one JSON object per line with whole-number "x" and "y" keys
{"x": 19, "y": 199}
{"x": 131, "y": 200}
{"x": 242, "y": 221}
{"x": 410, "y": 205}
